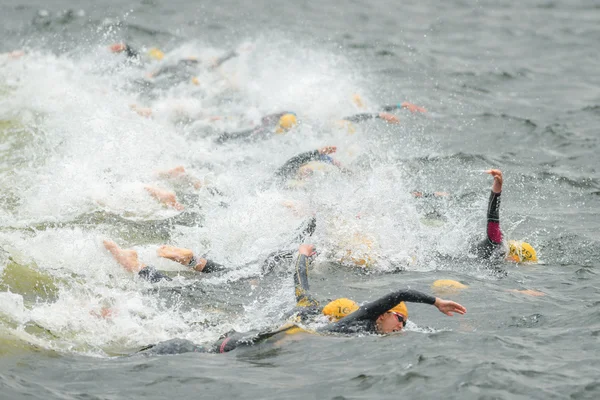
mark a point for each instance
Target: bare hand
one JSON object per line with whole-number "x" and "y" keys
{"x": 327, "y": 150}
{"x": 497, "y": 174}
{"x": 449, "y": 307}
{"x": 117, "y": 47}
{"x": 307, "y": 249}
{"x": 390, "y": 118}
{"x": 413, "y": 108}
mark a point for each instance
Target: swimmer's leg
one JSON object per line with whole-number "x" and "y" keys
{"x": 166, "y": 197}
{"x": 127, "y": 258}
{"x": 173, "y": 346}
{"x": 186, "y": 258}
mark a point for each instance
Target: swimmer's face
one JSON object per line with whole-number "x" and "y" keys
{"x": 390, "y": 322}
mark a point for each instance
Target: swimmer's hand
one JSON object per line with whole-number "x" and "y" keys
{"x": 413, "y": 108}
{"x": 389, "y": 118}
{"x": 449, "y": 307}
{"x": 327, "y": 150}
{"x": 497, "y": 174}
{"x": 307, "y": 249}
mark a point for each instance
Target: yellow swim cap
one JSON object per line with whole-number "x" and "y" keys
{"x": 400, "y": 309}
{"x": 448, "y": 283}
{"x": 521, "y": 251}
{"x": 195, "y": 81}
{"x": 156, "y": 53}
{"x": 339, "y": 308}
{"x": 447, "y": 287}
{"x": 286, "y": 122}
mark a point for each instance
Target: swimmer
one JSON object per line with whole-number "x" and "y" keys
{"x": 385, "y": 315}
{"x": 277, "y": 123}
{"x": 493, "y": 245}
{"x": 385, "y": 114}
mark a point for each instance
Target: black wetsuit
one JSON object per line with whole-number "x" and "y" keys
{"x": 290, "y": 168}
{"x": 263, "y": 131}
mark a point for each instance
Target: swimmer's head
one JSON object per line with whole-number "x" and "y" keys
{"x": 521, "y": 252}
{"x": 286, "y": 122}
{"x": 392, "y": 320}
{"x": 156, "y": 54}
{"x": 339, "y": 308}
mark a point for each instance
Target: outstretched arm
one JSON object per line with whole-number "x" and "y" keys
{"x": 367, "y": 116}
{"x": 371, "y": 311}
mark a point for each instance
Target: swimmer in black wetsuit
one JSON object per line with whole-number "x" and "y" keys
{"x": 493, "y": 246}
{"x": 278, "y": 123}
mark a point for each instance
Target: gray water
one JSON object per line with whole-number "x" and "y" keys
{"x": 506, "y": 85}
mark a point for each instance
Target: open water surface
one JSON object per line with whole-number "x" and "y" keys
{"x": 509, "y": 85}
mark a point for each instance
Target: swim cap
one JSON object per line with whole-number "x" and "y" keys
{"x": 447, "y": 287}
{"x": 340, "y": 308}
{"x": 521, "y": 251}
{"x": 400, "y": 309}
{"x": 448, "y": 283}
{"x": 286, "y": 122}
{"x": 195, "y": 81}
{"x": 156, "y": 53}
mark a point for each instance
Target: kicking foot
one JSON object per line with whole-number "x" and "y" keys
{"x": 181, "y": 256}
{"x": 127, "y": 258}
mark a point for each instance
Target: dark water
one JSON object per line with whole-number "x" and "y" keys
{"x": 506, "y": 85}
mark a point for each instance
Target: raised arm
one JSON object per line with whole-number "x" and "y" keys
{"x": 301, "y": 287}
{"x": 494, "y": 234}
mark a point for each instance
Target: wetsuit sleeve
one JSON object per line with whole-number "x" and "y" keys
{"x": 371, "y": 311}
{"x": 226, "y": 57}
{"x": 361, "y": 117}
{"x": 301, "y": 287}
{"x": 494, "y": 234}
{"x": 391, "y": 108}
{"x": 292, "y": 165}
{"x": 152, "y": 275}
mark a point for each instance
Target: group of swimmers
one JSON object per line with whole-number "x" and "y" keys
{"x": 382, "y": 316}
